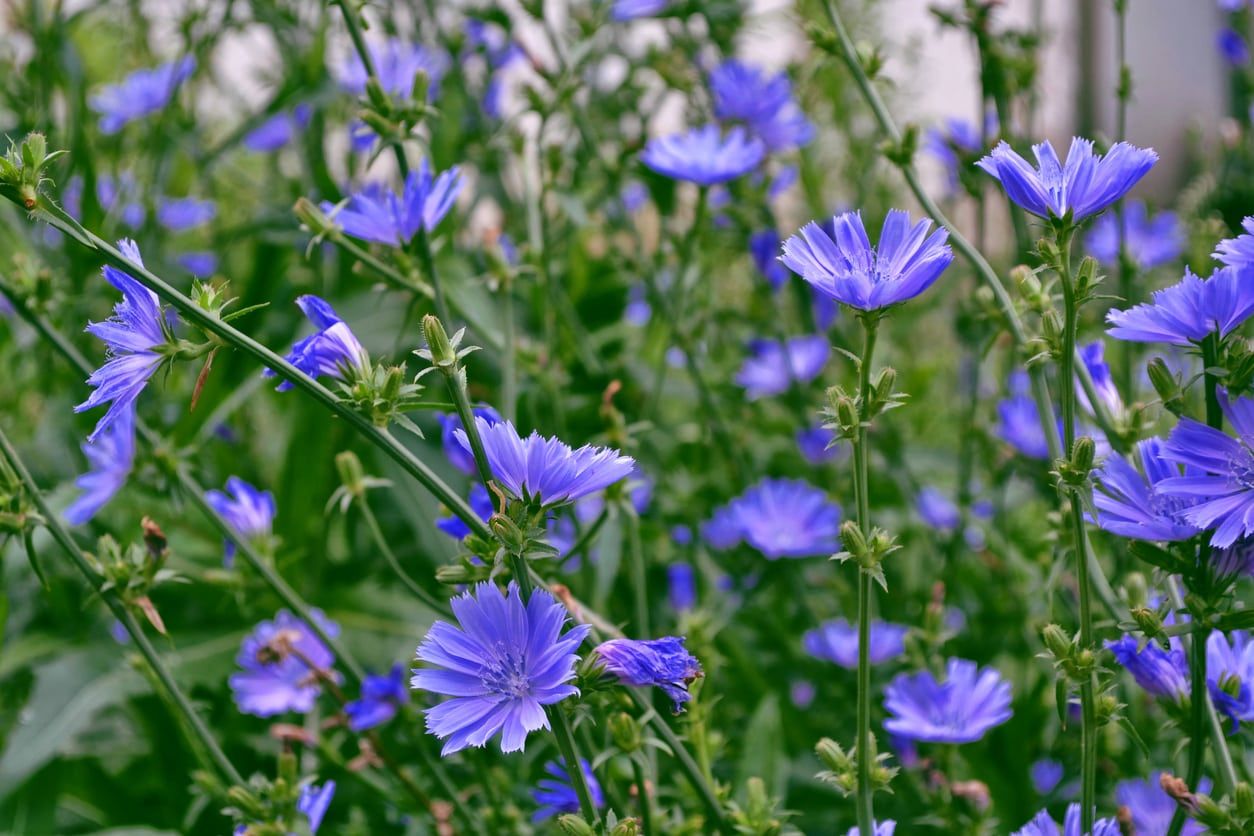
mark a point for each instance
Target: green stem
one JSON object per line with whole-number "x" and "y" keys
{"x": 509, "y": 363}
{"x": 865, "y": 804}
{"x": 353, "y": 24}
{"x": 574, "y": 766}
{"x": 381, "y": 544}
{"x": 422, "y": 246}
{"x": 585, "y": 538}
{"x": 456, "y": 380}
{"x": 522, "y": 574}
{"x": 638, "y": 574}
{"x": 646, "y": 804}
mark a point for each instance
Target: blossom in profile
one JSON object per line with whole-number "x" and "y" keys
{"x": 313, "y": 803}
{"x": 1046, "y": 775}
{"x": 681, "y": 581}
{"x": 1189, "y": 311}
{"x": 250, "y": 512}
{"x": 1161, "y": 673}
{"x": 937, "y": 510}
{"x": 705, "y": 156}
{"x": 397, "y": 63}
{"x": 837, "y": 641}
{"x": 764, "y": 248}
{"x": 182, "y": 213}
{"x": 556, "y": 795}
{"x": 772, "y": 367}
{"x": 454, "y": 451}
{"x": 1019, "y": 422}
{"x": 663, "y": 662}
{"x": 1230, "y": 675}
{"x": 110, "y": 459}
{"x": 1129, "y": 503}
{"x": 779, "y": 518}
{"x": 501, "y": 666}
{"x": 625, "y": 10}
{"x": 380, "y": 215}
{"x": 1085, "y": 185}
{"x": 842, "y": 263}
{"x": 480, "y": 502}
{"x": 959, "y": 710}
{"x": 546, "y": 470}
{"x": 1043, "y": 824}
{"x": 1151, "y": 809}
{"x": 762, "y": 102}
{"x": 882, "y": 828}
{"x": 275, "y": 661}
{"x": 956, "y": 141}
{"x": 133, "y": 336}
{"x": 815, "y": 444}
{"x": 1149, "y": 241}
{"x": 382, "y": 695}
{"x": 333, "y": 351}
{"x": 140, "y": 94}
{"x": 1239, "y": 251}
{"x": 278, "y": 130}
{"x": 1093, "y": 356}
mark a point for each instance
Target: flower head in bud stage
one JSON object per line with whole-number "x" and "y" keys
{"x": 111, "y": 457}
{"x": 313, "y": 803}
{"x": 275, "y": 660}
{"x": 625, "y": 10}
{"x": 779, "y": 518}
{"x": 1043, "y": 824}
{"x": 397, "y": 63}
{"x": 459, "y": 456}
{"x": 480, "y": 502}
{"x": 1046, "y": 775}
{"x": 1151, "y": 808}
{"x": 182, "y": 213}
{"x": 959, "y": 710}
{"x": 556, "y": 795}
{"x": 133, "y": 335}
{"x": 814, "y": 441}
{"x": 504, "y": 663}
{"x": 662, "y": 662}
{"x": 140, "y": 94}
{"x": 382, "y": 695}
{"x": 277, "y": 131}
{"x": 772, "y": 367}
{"x": 1190, "y": 311}
{"x": 705, "y": 155}
{"x": 1085, "y": 185}
{"x": 380, "y": 215}
{"x": 1149, "y": 241}
{"x": 837, "y": 641}
{"x": 1129, "y": 503}
{"x": 882, "y": 828}
{"x": 249, "y": 512}
{"x": 332, "y": 352}
{"x": 1162, "y": 673}
{"x": 1239, "y": 251}
{"x": 762, "y": 101}
{"x": 764, "y": 248}
{"x": 937, "y": 510}
{"x": 843, "y": 264}
{"x": 1230, "y": 675}
{"x": 546, "y": 469}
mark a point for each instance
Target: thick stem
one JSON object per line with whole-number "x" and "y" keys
{"x": 861, "y": 486}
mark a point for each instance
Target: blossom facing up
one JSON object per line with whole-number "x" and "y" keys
{"x": 1230, "y": 675}
{"x": 1043, "y": 824}
{"x": 779, "y": 518}
{"x": 663, "y": 662}
{"x": 313, "y": 803}
{"x": 1085, "y": 185}
{"x": 1161, "y": 673}
{"x": 459, "y": 456}
{"x": 480, "y": 502}
{"x": 380, "y": 215}
{"x": 764, "y": 248}
{"x": 333, "y": 351}
{"x": 182, "y": 213}
{"x": 837, "y": 641}
{"x": 249, "y": 512}
{"x": 133, "y": 337}
{"x": 501, "y": 666}
{"x": 625, "y": 10}
{"x": 937, "y": 510}
{"x": 275, "y": 660}
{"x": 842, "y": 264}
{"x": 772, "y": 367}
{"x": 397, "y": 63}
{"x": 556, "y": 794}
{"x": 705, "y": 156}
{"x": 382, "y": 695}
{"x": 279, "y": 130}
{"x": 959, "y": 710}
{"x": 546, "y": 470}
{"x": 140, "y": 94}
{"x": 762, "y": 101}
{"x": 1151, "y": 808}
{"x": 1189, "y": 311}
{"x": 1129, "y": 503}
{"x": 110, "y": 459}
{"x": 1149, "y": 241}
{"x": 1239, "y": 251}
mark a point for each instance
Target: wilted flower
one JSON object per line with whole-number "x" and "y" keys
{"x": 1084, "y": 186}
{"x": 837, "y": 641}
{"x": 1190, "y": 311}
{"x": 333, "y": 351}
{"x": 762, "y": 101}
{"x": 501, "y": 667}
{"x": 843, "y": 264}
{"x": 377, "y": 214}
{"x": 1239, "y": 251}
{"x": 276, "y": 659}
{"x": 1046, "y": 775}
{"x": 457, "y": 454}
{"x": 556, "y": 795}
{"x": 772, "y": 367}
{"x": 1129, "y": 502}
{"x": 937, "y": 510}
{"x": 141, "y": 93}
{"x": 110, "y": 457}
{"x": 1149, "y": 242}
{"x": 278, "y": 130}
{"x": 778, "y": 517}
{"x": 1162, "y": 673}
{"x": 1152, "y": 809}
{"x": 247, "y": 510}
{"x": 313, "y": 803}
{"x": 959, "y": 710}
{"x": 705, "y": 155}
{"x": 1043, "y": 824}
{"x": 397, "y": 64}
{"x": 181, "y": 213}
{"x": 480, "y": 502}
{"x": 382, "y": 695}
{"x": 662, "y": 662}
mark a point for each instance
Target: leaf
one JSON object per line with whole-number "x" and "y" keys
{"x": 762, "y": 755}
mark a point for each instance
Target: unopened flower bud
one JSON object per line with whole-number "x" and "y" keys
{"x": 852, "y": 538}
{"x": 352, "y": 475}
{"x": 572, "y": 825}
{"x": 1165, "y": 384}
{"x": 377, "y": 96}
{"x": 625, "y": 731}
{"x": 508, "y": 532}
{"x": 1137, "y": 589}
{"x": 885, "y": 383}
{"x": 313, "y": 218}
{"x": 1057, "y": 641}
{"x": 443, "y": 355}
{"x": 1243, "y": 797}
{"x": 626, "y": 827}
{"x": 1148, "y": 620}
{"x": 832, "y": 756}
{"x": 245, "y": 801}
{"x": 1082, "y": 453}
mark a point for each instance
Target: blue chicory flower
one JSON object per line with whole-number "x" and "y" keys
{"x": 556, "y": 794}
{"x": 1046, "y": 775}
{"x": 110, "y": 457}
{"x": 1148, "y": 241}
{"x": 764, "y": 249}
{"x": 815, "y": 444}
{"x": 772, "y": 367}
{"x": 458, "y": 455}
{"x": 1232, "y": 46}
{"x": 275, "y": 660}
{"x": 959, "y": 710}
{"x": 278, "y": 130}
{"x": 802, "y": 693}
{"x": 480, "y": 502}
{"x": 1093, "y": 355}
{"x": 882, "y": 828}
{"x": 663, "y": 662}
{"x": 1019, "y": 422}
{"x": 313, "y": 803}
{"x": 779, "y": 518}
{"x": 1235, "y": 561}
{"x": 633, "y": 196}
{"x": 382, "y": 695}
{"x": 397, "y": 63}
{"x": 705, "y": 155}
{"x": 140, "y": 94}
{"x": 504, "y": 663}
{"x": 333, "y": 351}
{"x": 1151, "y": 809}
{"x": 1230, "y": 675}
{"x": 937, "y": 510}
{"x": 1189, "y": 311}
{"x": 384, "y": 217}
{"x": 762, "y": 101}
{"x": 248, "y": 511}
{"x": 182, "y": 213}
{"x": 681, "y": 581}
{"x": 199, "y": 263}
{"x": 121, "y": 194}
{"x": 625, "y": 10}
{"x": 1238, "y": 251}
{"x": 955, "y": 140}
{"x": 638, "y": 311}
{"x": 1129, "y": 503}
{"x": 1161, "y": 673}
{"x": 837, "y": 641}
{"x": 1043, "y": 824}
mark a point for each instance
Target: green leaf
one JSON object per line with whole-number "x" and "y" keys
{"x": 763, "y": 755}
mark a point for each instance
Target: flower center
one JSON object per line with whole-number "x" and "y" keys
{"x": 505, "y": 673}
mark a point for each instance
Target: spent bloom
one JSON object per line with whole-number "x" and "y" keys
{"x": 662, "y": 662}
{"x": 959, "y": 710}
{"x": 110, "y": 457}
{"x": 332, "y": 352}
{"x": 1161, "y": 673}
{"x": 278, "y": 130}
{"x": 937, "y": 510}
{"x": 556, "y": 795}
{"x": 837, "y": 641}
{"x": 1043, "y": 824}
{"x": 1189, "y": 311}
{"x": 313, "y": 803}
{"x": 181, "y": 213}
{"x": 547, "y": 470}
{"x": 380, "y": 215}
{"x": 1085, "y": 185}
{"x": 397, "y": 63}
{"x": 1239, "y": 251}
{"x": 772, "y": 367}
{"x": 248, "y": 511}
{"x": 275, "y": 659}
{"x": 382, "y": 695}
{"x": 501, "y": 666}
{"x": 762, "y": 101}
{"x": 134, "y": 336}
{"x": 1151, "y": 808}
{"x": 705, "y": 155}
{"x": 458, "y": 455}
{"x": 842, "y": 263}
{"x": 778, "y": 517}
{"x": 140, "y": 94}
{"x": 1148, "y": 241}
{"x": 1129, "y": 503}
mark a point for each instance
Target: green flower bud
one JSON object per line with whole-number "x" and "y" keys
{"x": 1243, "y": 797}
{"x": 626, "y": 827}
{"x": 508, "y": 532}
{"x": 572, "y": 825}
{"x": 443, "y": 355}
{"x": 352, "y": 474}
{"x": 1082, "y": 453}
{"x": 832, "y": 756}
{"x": 313, "y": 218}
{"x": 1057, "y": 642}
{"x": 625, "y": 731}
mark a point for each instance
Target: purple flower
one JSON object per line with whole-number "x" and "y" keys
{"x": 882, "y": 828}
{"x": 1129, "y": 502}
{"x": 275, "y": 660}
{"x": 1235, "y": 561}
{"x": 379, "y": 215}
{"x": 1151, "y": 808}
{"x": 1239, "y": 251}
{"x": 1084, "y": 186}
{"x": 1232, "y": 47}
{"x": 764, "y": 248}
{"x": 121, "y": 194}
{"x": 937, "y": 510}
{"x": 633, "y": 196}
{"x": 837, "y": 641}
{"x": 382, "y": 695}
{"x": 1093, "y": 356}
{"x": 704, "y": 155}
{"x": 625, "y": 10}
{"x": 181, "y": 213}
{"x": 762, "y": 101}
{"x": 480, "y": 502}
{"x": 638, "y": 311}
{"x": 460, "y": 457}
{"x": 332, "y": 352}
{"x": 802, "y": 693}
{"x": 278, "y": 130}
{"x": 199, "y": 263}
{"x": 1018, "y": 421}
{"x": 662, "y": 662}
{"x": 772, "y": 367}
{"x": 110, "y": 458}
{"x": 248, "y": 511}
{"x": 1161, "y": 673}
{"x": 1046, "y": 775}
{"x": 397, "y": 63}
{"x": 956, "y": 140}
{"x": 133, "y": 337}
{"x": 313, "y": 803}
{"x": 1230, "y": 675}
{"x": 504, "y": 663}
{"x": 556, "y": 794}
{"x": 1190, "y": 311}
{"x": 141, "y": 93}
{"x": 960, "y": 710}
{"x": 1043, "y": 824}
{"x": 779, "y": 518}
{"x": 815, "y": 444}
{"x": 1149, "y": 242}
{"x": 545, "y": 469}
{"x": 844, "y": 265}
